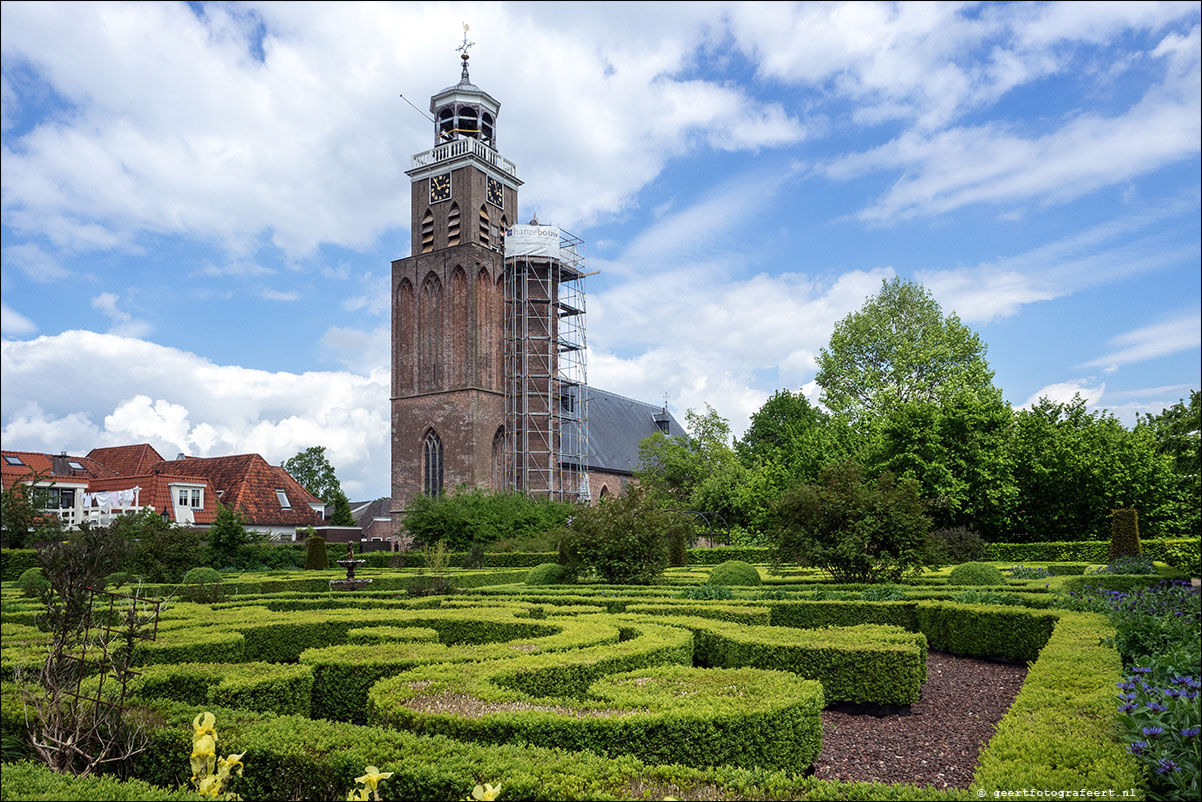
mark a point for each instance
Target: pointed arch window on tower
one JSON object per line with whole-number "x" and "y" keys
{"x": 501, "y": 229}
{"x": 432, "y": 464}
{"x": 498, "y": 460}
{"x": 453, "y": 225}
{"x": 485, "y": 233}
{"x": 428, "y": 231}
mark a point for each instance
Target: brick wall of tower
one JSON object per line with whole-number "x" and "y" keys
{"x": 447, "y": 363}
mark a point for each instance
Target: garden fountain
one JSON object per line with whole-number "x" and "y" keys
{"x": 350, "y": 583}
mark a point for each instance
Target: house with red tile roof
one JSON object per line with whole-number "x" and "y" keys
{"x": 123, "y": 479}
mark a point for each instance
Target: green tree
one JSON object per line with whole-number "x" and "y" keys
{"x": 342, "y": 510}
{"x": 467, "y": 517}
{"x": 1072, "y": 467}
{"x": 624, "y": 539}
{"x": 856, "y": 528}
{"x": 1178, "y": 433}
{"x": 314, "y": 472}
{"x": 23, "y": 517}
{"x": 899, "y": 348}
{"x": 159, "y": 551}
{"x": 227, "y": 537}
{"x": 958, "y": 453}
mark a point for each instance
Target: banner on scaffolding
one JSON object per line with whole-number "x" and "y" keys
{"x": 538, "y": 241}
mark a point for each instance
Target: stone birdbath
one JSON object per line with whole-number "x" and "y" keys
{"x": 349, "y": 563}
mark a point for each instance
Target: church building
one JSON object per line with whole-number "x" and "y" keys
{"x": 488, "y": 338}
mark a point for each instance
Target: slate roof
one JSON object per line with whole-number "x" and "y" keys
{"x": 616, "y": 426}
{"x": 367, "y": 511}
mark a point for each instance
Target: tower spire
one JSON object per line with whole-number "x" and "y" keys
{"x": 463, "y": 54}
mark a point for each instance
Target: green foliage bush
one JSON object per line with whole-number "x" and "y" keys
{"x": 622, "y": 539}
{"x": 201, "y": 575}
{"x": 467, "y": 516}
{"x": 14, "y": 562}
{"x": 316, "y": 558}
{"x": 1124, "y": 533}
{"x": 976, "y": 574}
{"x": 159, "y": 551}
{"x": 32, "y": 582}
{"x": 27, "y": 780}
{"x": 707, "y": 592}
{"x": 856, "y": 528}
{"x": 118, "y": 579}
{"x": 678, "y": 549}
{"x": 952, "y": 546}
{"x": 546, "y": 574}
{"x": 882, "y": 593}
{"x": 227, "y": 537}
{"x": 201, "y": 584}
{"x": 735, "y": 573}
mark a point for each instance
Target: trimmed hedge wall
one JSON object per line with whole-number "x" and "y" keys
{"x": 983, "y": 630}
{"x": 1092, "y": 551}
{"x": 1059, "y": 733}
{"x": 14, "y": 562}
{"x": 661, "y": 714}
{"x": 26, "y": 780}
{"x": 268, "y": 687}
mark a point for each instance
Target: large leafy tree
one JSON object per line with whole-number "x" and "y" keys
{"x": 1178, "y": 433}
{"x": 23, "y": 517}
{"x": 899, "y": 348}
{"x": 1072, "y": 467}
{"x": 315, "y": 473}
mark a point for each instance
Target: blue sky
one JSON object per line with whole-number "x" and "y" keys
{"x": 200, "y": 202}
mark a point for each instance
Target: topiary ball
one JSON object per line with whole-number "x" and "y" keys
{"x": 976, "y": 574}
{"x": 118, "y": 578}
{"x": 201, "y": 575}
{"x": 734, "y": 572}
{"x": 545, "y": 574}
{"x": 32, "y": 582}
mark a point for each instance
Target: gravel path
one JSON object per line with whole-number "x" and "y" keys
{"x": 937, "y": 743}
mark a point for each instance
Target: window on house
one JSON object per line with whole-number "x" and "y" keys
{"x": 75, "y": 466}
{"x": 198, "y": 500}
{"x": 62, "y": 498}
{"x": 283, "y": 497}
{"x": 432, "y": 467}
{"x": 220, "y": 493}
{"x": 11, "y": 460}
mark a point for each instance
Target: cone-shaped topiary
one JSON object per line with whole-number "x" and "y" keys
{"x": 734, "y": 572}
{"x": 1124, "y": 534}
{"x": 678, "y": 549}
{"x": 976, "y": 574}
{"x": 317, "y": 559}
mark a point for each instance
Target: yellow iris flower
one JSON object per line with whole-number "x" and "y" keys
{"x": 486, "y": 793}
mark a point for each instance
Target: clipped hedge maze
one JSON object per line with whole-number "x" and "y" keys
{"x": 313, "y": 686}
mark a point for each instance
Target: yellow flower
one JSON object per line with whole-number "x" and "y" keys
{"x": 372, "y": 778}
{"x": 358, "y": 795}
{"x": 204, "y": 724}
{"x": 232, "y": 762}
{"x": 486, "y": 793}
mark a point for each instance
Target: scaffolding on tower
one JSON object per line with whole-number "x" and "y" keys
{"x": 546, "y": 403}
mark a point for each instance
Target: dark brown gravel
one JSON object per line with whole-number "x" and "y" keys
{"x": 938, "y": 742}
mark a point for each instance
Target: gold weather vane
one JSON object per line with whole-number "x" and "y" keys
{"x": 466, "y": 44}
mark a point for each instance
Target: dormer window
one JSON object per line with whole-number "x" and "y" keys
{"x": 283, "y": 497}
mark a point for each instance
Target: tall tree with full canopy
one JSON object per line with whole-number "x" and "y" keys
{"x": 899, "y": 348}
{"x": 315, "y": 473}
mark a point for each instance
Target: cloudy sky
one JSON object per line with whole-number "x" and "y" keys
{"x": 200, "y": 202}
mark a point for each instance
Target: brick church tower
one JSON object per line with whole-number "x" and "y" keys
{"x": 448, "y": 402}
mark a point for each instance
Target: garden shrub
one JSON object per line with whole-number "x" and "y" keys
{"x": 159, "y": 551}
{"x": 977, "y": 630}
{"x": 1124, "y": 533}
{"x": 856, "y": 528}
{"x": 201, "y": 575}
{"x": 465, "y": 517}
{"x": 734, "y": 572}
{"x": 678, "y": 548}
{"x": 976, "y": 574}
{"x": 954, "y": 545}
{"x": 32, "y": 582}
{"x": 28, "y": 780}
{"x": 316, "y": 557}
{"x": 201, "y": 584}
{"x": 117, "y": 579}
{"x": 708, "y": 592}
{"x": 1186, "y": 558}
{"x": 14, "y": 562}
{"x": 546, "y": 574}
{"x": 623, "y": 539}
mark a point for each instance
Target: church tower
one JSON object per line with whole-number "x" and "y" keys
{"x": 448, "y": 296}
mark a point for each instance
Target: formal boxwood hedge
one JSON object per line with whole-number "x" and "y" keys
{"x": 1059, "y": 733}
{"x": 268, "y": 687}
{"x": 14, "y": 562}
{"x": 983, "y": 630}
{"x": 661, "y": 714}
{"x": 26, "y": 780}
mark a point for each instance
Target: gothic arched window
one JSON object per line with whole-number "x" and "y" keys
{"x": 430, "y": 334}
{"x": 498, "y": 460}
{"x": 432, "y": 464}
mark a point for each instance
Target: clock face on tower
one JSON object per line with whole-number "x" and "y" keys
{"x": 496, "y": 195}
{"x": 440, "y": 187}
